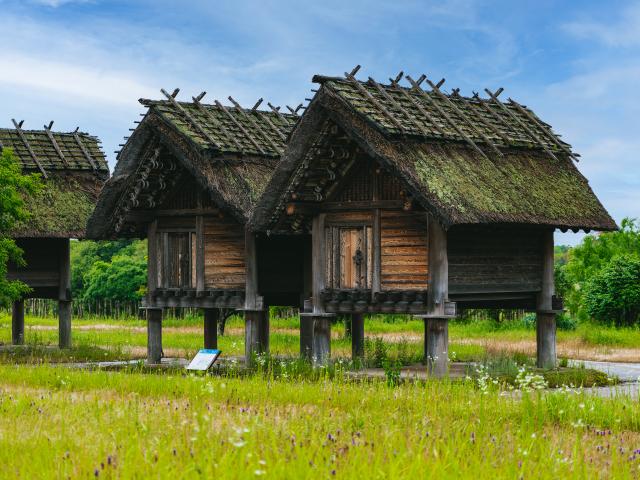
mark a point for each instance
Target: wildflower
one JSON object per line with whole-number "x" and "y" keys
{"x": 259, "y": 472}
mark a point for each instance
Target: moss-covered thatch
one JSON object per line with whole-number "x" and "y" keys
{"x": 525, "y": 183}
{"x": 60, "y": 209}
{"x": 228, "y": 151}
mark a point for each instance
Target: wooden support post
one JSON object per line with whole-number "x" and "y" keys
{"x": 64, "y": 296}
{"x": 211, "y": 316}
{"x": 357, "y": 336}
{"x": 321, "y": 339}
{"x": 436, "y": 328}
{"x": 436, "y": 345}
{"x": 64, "y": 324}
{"x": 315, "y": 337}
{"x": 200, "y": 254}
{"x": 152, "y": 261}
{"x": 17, "y": 323}
{"x": 306, "y": 337}
{"x": 545, "y": 316}
{"x": 256, "y": 334}
{"x": 318, "y": 259}
{"x": 154, "y": 336}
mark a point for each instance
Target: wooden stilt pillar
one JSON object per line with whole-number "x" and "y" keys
{"x": 211, "y": 316}
{"x": 545, "y": 316}
{"x": 546, "y": 340}
{"x": 436, "y": 345}
{"x": 154, "y": 335}
{"x": 256, "y": 333}
{"x": 64, "y": 297}
{"x": 357, "y": 336}
{"x": 17, "y": 323}
{"x": 436, "y": 321}
{"x": 306, "y": 336}
{"x": 64, "y": 324}
{"x": 315, "y": 337}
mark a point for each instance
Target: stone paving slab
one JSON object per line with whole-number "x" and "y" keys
{"x": 626, "y": 372}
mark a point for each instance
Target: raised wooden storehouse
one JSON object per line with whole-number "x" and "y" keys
{"x": 418, "y": 201}
{"x": 187, "y": 179}
{"x": 73, "y": 169}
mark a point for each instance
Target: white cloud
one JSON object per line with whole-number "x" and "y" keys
{"x": 625, "y": 32}
{"x": 58, "y": 3}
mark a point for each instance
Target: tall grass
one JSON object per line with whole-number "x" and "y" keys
{"x": 61, "y": 423}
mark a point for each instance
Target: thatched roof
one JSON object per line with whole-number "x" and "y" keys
{"x": 73, "y": 169}
{"x": 230, "y": 151}
{"x": 467, "y": 160}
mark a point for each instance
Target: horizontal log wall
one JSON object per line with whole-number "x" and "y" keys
{"x": 485, "y": 259}
{"x": 223, "y": 253}
{"x": 404, "y": 253}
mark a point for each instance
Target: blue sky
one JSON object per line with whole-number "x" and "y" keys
{"x": 577, "y": 64}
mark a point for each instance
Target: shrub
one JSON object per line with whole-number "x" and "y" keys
{"x": 613, "y": 294}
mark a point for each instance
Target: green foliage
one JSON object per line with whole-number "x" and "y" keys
{"x": 590, "y": 257}
{"x": 613, "y": 293}
{"x": 13, "y": 185}
{"x": 110, "y": 270}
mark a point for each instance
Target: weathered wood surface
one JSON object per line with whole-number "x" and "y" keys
{"x": 64, "y": 324}
{"x": 211, "y": 316}
{"x": 546, "y": 356}
{"x": 154, "y": 335}
{"x": 404, "y": 252}
{"x": 256, "y": 339}
{"x": 224, "y": 253}
{"x": 318, "y": 259}
{"x": 357, "y": 336}
{"x": 485, "y": 259}
{"x": 17, "y": 323}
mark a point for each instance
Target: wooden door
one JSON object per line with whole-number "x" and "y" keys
{"x": 349, "y": 257}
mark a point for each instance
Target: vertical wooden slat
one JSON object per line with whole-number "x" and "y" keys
{"x": 211, "y": 327}
{"x": 152, "y": 259}
{"x": 199, "y": 267}
{"x": 546, "y": 319}
{"x": 251, "y": 269}
{"x": 17, "y": 323}
{"x": 377, "y": 253}
{"x": 318, "y": 253}
{"x": 438, "y": 268}
{"x": 64, "y": 296}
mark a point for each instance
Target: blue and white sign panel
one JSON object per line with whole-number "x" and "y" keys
{"x": 204, "y": 359}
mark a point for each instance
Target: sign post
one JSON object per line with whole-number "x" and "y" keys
{"x": 204, "y": 359}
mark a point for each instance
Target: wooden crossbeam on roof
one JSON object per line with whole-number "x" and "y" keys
{"x": 490, "y": 125}
{"x": 255, "y": 124}
{"x": 494, "y": 97}
{"x": 84, "y": 150}
{"x": 53, "y": 141}
{"x": 464, "y": 117}
{"x": 211, "y": 118}
{"x": 546, "y": 130}
{"x": 190, "y": 118}
{"x": 28, "y": 147}
{"x": 239, "y": 125}
{"x": 276, "y": 110}
{"x": 398, "y": 106}
{"x": 424, "y": 95}
{"x": 421, "y": 109}
{"x": 374, "y": 101}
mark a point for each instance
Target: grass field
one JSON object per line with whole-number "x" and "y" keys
{"x": 64, "y": 423}
{"x": 117, "y": 339}
{"x": 288, "y": 420}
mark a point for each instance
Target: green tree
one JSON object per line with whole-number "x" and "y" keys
{"x": 613, "y": 294}
{"x": 591, "y": 256}
{"x": 109, "y": 270}
{"x": 13, "y": 186}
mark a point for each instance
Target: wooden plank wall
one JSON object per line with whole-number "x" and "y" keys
{"x": 404, "y": 253}
{"x": 485, "y": 259}
{"x": 224, "y": 265}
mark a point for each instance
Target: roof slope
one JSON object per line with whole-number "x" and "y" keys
{"x": 468, "y": 160}
{"x": 73, "y": 168}
{"x": 231, "y": 151}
